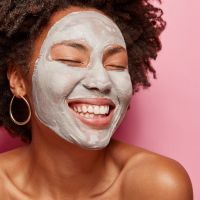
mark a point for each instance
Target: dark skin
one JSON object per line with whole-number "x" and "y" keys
{"x": 54, "y": 169}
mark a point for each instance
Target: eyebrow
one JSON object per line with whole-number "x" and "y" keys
{"x": 112, "y": 51}
{"x": 75, "y": 45}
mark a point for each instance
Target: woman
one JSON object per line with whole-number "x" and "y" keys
{"x": 66, "y": 84}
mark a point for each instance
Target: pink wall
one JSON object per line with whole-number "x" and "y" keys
{"x": 165, "y": 118}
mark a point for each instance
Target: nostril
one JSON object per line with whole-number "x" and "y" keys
{"x": 89, "y": 86}
{"x": 98, "y": 86}
{"x": 104, "y": 90}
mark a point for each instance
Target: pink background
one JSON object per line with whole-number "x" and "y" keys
{"x": 165, "y": 118}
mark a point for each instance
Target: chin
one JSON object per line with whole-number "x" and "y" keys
{"x": 100, "y": 144}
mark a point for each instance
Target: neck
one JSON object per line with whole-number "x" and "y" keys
{"x": 67, "y": 167}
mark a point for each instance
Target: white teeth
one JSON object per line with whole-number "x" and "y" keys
{"x": 96, "y": 110}
{"x": 87, "y": 115}
{"x": 75, "y": 109}
{"x": 79, "y": 109}
{"x": 91, "y": 109}
{"x": 106, "y": 109}
{"x": 102, "y": 110}
{"x": 84, "y": 109}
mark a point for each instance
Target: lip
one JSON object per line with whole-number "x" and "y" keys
{"x": 93, "y": 101}
{"x": 96, "y": 122}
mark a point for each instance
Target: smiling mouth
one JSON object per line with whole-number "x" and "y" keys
{"x": 96, "y": 113}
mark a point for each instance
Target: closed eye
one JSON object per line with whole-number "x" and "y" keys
{"x": 71, "y": 53}
{"x": 69, "y": 61}
{"x": 116, "y": 67}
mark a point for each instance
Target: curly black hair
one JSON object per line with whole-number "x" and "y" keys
{"x": 21, "y": 21}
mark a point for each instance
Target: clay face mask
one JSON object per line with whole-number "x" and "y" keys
{"x": 74, "y": 94}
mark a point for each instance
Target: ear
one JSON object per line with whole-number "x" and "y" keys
{"x": 17, "y": 83}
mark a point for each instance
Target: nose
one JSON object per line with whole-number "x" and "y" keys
{"x": 97, "y": 80}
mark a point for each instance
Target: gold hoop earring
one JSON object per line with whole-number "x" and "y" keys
{"x": 11, "y": 114}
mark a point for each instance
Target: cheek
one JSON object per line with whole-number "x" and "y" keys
{"x": 122, "y": 84}
{"x": 58, "y": 80}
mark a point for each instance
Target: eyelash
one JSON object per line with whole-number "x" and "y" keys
{"x": 116, "y": 67}
{"x": 69, "y": 61}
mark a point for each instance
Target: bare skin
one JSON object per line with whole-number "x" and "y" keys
{"x": 51, "y": 168}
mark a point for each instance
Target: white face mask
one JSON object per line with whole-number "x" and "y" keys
{"x": 98, "y": 97}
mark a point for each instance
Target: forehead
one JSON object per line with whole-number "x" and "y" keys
{"x": 91, "y": 26}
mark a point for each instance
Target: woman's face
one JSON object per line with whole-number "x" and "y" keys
{"x": 81, "y": 86}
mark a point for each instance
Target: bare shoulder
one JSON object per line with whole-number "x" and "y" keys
{"x": 2, "y": 178}
{"x": 10, "y": 158}
{"x": 10, "y": 163}
{"x": 5, "y": 165}
{"x": 147, "y": 175}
